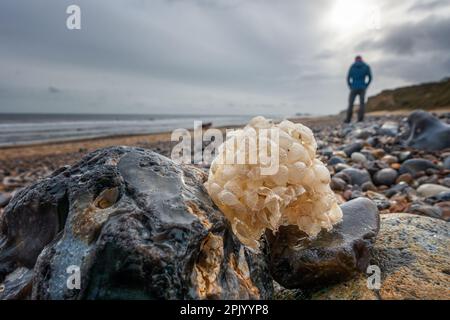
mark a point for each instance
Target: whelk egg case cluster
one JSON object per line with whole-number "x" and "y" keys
{"x": 297, "y": 193}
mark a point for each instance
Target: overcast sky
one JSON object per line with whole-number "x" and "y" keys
{"x": 213, "y": 56}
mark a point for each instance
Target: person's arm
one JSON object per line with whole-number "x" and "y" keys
{"x": 369, "y": 75}
{"x": 349, "y": 77}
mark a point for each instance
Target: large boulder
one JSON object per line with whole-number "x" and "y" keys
{"x": 136, "y": 226}
{"x": 296, "y": 261}
{"x": 412, "y": 254}
{"x": 427, "y": 132}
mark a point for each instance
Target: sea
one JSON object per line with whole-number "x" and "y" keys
{"x": 28, "y": 129}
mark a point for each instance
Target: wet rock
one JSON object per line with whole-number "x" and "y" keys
{"x": 427, "y": 132}
{"x": 402, "y": 252}
{"x": 4, "y": 199}
{"x": 354, "y": 176}
{"x": 16, "y": 285}
{"x": 389, "y": 128}
{"x": 385, "y": 177}
{"x": 358, "y": 157}
{"x": 299, "y": 262}
{"x": 430, "y": 190}
{"x": 137, "y": 225}
{"x": 414, "y": 166}
{"x": 354, "y": 147}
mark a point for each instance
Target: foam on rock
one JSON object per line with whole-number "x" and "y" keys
{"x": 298, "y": 193}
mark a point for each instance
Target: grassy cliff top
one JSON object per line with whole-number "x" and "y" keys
{"x": 433, "y": 95}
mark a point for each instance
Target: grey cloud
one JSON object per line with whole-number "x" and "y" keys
{"x": 430, "y": 34}
{"x": 427, "y": 5}
{"x": 195, "y": 56}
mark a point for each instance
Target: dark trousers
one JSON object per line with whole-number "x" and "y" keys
{"x": 353, "y": 93}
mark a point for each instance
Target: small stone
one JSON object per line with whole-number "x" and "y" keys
{"x": 426, "y": 210}
{"x": 378, "y": 153}
{"x": 447, "y": 163}
{"x": 385, "y": 177}
{"x": 440, "y": 197}
{"x": 398, "y": 188}
{"x": 341, "y": 166}
{"x": 4, "y": 199}
{"x": 414, "y": 166}
{"x": 297, "y": 261}
{"x": 446, "y": 182}
{"x": 395, "y": 166}
{"x": 389, "y": 159}
{"x": 354, "y": 147}
{"x": 389, "y": 128}
{"x": 337, "y": 184}
{"x": 335, "y": 160}
{"x": 405, "y": 155}
{"x": 355, "y": 176}
{"x": 406, "y": 177}
{"x": 445, "y": 207}
{"x": 358, "y": 157}
{"x": 368, "y": 186}
{"x": 430, "y": 190}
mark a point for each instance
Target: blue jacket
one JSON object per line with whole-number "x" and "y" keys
{"x": 357, "y": 75}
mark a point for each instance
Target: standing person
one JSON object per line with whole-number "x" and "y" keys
{"x": 356, "y": 80}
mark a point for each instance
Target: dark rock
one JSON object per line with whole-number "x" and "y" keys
{"x": 354, "y": 176}
{"x": 17, "y": 285}
{"x": 137, "y": 225}
{"x": 335, "y": 160}
{"x": 414, "y": 166}
{"x": 299, "y": 262}
{"x": 385, "y": 177}
{"x": 354, "y": 147}
{"x": 427, "y": 132}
